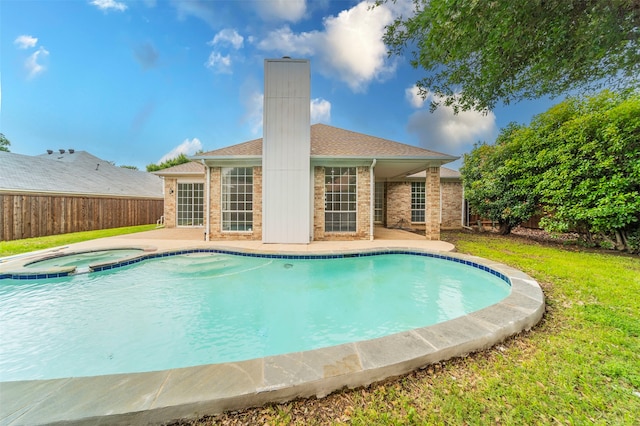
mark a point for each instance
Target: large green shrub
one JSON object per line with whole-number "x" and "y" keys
{"x": 580, "y": 161}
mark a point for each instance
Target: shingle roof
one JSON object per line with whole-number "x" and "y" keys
{"x": 329, "y": 141}
{"x": 251, "y": 148}
{"x": 184, "y": 169}
{"x": 445, "y": 173}
{"x": 74, "y": 173}
{"x": 449, "y": 173}
{"x": 332, "y": 141}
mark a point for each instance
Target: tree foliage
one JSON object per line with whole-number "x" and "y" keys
{"x": 4, "y": 143}
{"x": 480, "y": 52}
{"x": 180, "y": 159}
{"x": 492, "y": 189}
{"x": 580, "y": 161}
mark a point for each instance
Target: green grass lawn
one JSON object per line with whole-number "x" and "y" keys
{"x": 580, "y": 365}
{"x": 8, "y": 248}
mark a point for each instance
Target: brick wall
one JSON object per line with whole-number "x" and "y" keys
{"x": 363, "y": 217}
{"x": 170, "y": 184}
{"x": 398, "y": 204}
{"x": 451, "y": 205}
{"x": 318, "y": 203}
{"x": 432, "y": 216}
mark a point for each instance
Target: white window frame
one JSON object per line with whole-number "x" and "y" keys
{"x": 341, "y": 205}
{"x": 236, "y": 199}
{"x": 379, "y": 202}
{"x": 418, "y": 202}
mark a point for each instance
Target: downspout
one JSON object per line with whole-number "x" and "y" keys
{"x": 463, "y": 212}
{"x": 440, "y": 184}
{"x": 208, "y": 203}
{"x": 372, "y": 203}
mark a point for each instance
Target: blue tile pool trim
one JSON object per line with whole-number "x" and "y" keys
{"x": 32, "y": 276}
{"x": 377, "y": 252}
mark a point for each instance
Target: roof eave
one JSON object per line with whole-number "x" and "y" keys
{"x": 170, "y": 174}
{"x": 430, "y": 161}
{"x": 232, "y": 160}
{"x": 446, "y": 158}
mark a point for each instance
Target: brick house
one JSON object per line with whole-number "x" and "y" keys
{"x": 302, "y": 182}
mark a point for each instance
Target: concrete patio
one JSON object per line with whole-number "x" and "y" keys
{"x": 172, "y": 238}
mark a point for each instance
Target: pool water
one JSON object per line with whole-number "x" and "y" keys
{"x": 209, "y": 308}
{"x": 83, "y": 260}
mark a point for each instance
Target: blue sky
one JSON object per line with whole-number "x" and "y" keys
{"x": 136, "y": 81}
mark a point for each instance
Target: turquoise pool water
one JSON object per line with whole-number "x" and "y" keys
{"x": 206, "y": 308}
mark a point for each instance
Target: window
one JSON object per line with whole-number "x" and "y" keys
{"x": 237, "y": 199}
{"x": 418, "y": 201}
{"x": 378, "y": 207}
{"x": 190, "y": 204}
{"x": 340, "y": 191}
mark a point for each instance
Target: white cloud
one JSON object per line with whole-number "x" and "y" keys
{"x": 32, "y": 65}
{"x": 354, "y": 47}
{"x": 219, "y": 63}
{"x": 320, "y": 111}
{"x": 25, "y": 41}
{"x": 187, "y": 147}
{"x": 413, "y": 96}
{"x": 109, "y": 4}
{"x": 404, "y": 8}
{"x": 200, "y": 9}
{"x": 282, "y": 10}
{"x": 444, "y": 131}
{"x": 349, "y": 48}
{"x": 253, "y": 117}
{"x": 227, "y": 36}
{"x": 283, "y": 40}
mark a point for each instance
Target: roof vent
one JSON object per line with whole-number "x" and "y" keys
{"x": 61, "y": 151}
{"x": 71, "y": 150}
{"x": 49, "y": 151}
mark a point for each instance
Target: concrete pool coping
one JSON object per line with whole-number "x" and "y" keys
{"x": 191, "y": 392}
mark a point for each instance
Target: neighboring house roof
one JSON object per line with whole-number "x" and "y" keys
{"x": 329, "y": 141}
{"x": 74, "y": 173}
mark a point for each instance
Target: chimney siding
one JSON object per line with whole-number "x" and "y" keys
{"x": 286, "y": 152}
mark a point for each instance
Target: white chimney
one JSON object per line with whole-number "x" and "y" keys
{"x": 286, "y": 151}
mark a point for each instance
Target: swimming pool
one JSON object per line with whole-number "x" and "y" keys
{"x": 190, "y": 392}
{"x": 203, "y": 307}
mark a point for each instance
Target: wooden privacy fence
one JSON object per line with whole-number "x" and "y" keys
{"x": 38, "y": 215}
{"x": 532, "y": 223}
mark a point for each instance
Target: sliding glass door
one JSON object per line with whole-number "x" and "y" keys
{"x": 190, "y": 204}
